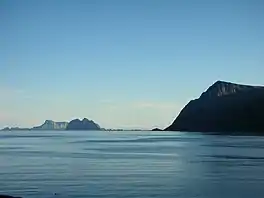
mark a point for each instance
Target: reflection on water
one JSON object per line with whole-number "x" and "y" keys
{"x": 130, "y": 164}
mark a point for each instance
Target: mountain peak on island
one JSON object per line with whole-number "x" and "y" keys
{"x": 223, "y": 88}
{"x": 84, "y": 124}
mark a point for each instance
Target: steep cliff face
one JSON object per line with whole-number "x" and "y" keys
{"x": 84, "y": 124}
{"x": 224, "y": 107}
{"x": 51, "y": 125}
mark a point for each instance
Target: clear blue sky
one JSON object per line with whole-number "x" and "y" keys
{"x": 122, "y": 63}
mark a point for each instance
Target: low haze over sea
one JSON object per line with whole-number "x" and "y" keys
{"x": 104, "y": 164}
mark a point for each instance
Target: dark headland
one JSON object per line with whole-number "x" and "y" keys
{"x": 224, "y": 107}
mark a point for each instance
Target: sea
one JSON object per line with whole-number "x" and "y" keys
{"x": 130, "y": 164}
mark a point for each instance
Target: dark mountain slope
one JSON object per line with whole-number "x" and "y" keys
{"x": 224, "y": 107}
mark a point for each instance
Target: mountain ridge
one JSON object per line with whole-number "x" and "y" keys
{"x": 222, "y": 88}
{"x": 84, "y": 124}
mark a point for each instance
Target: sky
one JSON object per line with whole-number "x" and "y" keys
{"x": 123, "y": 64}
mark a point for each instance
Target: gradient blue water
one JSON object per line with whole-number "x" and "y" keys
{"x": 130, "y": 164}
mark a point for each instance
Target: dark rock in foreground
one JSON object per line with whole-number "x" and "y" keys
{"x": 224, "y": 107}
{"x": 7, "y": 196}
{"x": 84, "y": 124}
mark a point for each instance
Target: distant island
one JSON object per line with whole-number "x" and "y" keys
{"x": 75, "y": 124}
{"x": 15, "y": 129}
{"x": 224, "y": 107}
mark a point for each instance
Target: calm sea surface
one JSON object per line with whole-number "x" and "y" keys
{"x": 130, "y": 164}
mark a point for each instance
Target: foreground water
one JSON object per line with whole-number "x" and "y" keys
{"x": 130, "y": 164}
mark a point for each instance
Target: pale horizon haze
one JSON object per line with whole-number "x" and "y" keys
{"x": 123, "y": 64}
